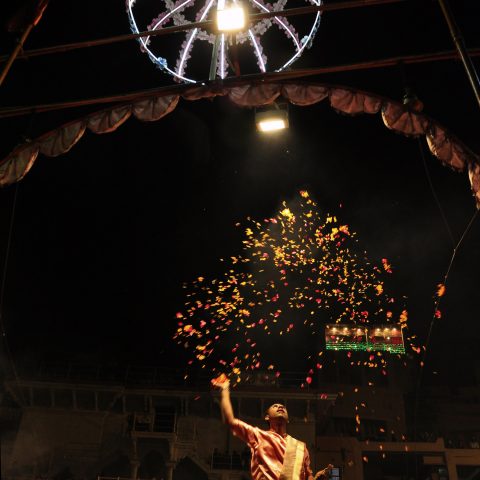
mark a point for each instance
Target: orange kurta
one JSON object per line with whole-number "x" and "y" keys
{"x": 268, "y": 451}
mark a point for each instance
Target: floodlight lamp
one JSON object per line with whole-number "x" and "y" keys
{"x": 271, "y": 120}
{"x": 230, "y": 18}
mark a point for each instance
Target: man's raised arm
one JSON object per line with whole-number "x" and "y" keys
{"x": 223, "y": 384}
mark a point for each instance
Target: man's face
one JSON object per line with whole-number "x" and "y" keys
{"x": 276, "y": 411}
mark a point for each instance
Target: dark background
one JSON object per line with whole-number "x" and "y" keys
{"x": 104, "y": 236}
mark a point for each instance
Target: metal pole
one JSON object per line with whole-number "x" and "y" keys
{"x": 213, "y": 63}
{"x": 15, "y": 53}
{"x": 205, "y": 24}
{"x": 37, "y": 15}
{"x": 461, "y": 48}
{"x": 8, "y": 112}
{"x": 234, "y": 50}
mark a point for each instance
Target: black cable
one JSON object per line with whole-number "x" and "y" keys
{"x": 3, "y": 287}
{"x": 434, "y": 193}
{"x": 438, "y": 297}
{"x": 432, "y": 321}
{"x": 3, "y": 332}
{"x": 445, "y": 278}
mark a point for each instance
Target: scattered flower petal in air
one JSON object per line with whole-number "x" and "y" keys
{"x": 298, "y": 271}
{"x": 441, "y": 290}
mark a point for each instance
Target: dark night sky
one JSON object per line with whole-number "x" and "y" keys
{"x": 105, "y": 235}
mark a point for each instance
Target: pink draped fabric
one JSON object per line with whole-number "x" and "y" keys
{"x": 299, "y": 95}
{"x": 397, "y": 118}
{"x": 351, "y": 102}
{"x": 443, "y": 145}
{"x": 254, "y": 95}
{"x": 153, "y": 109}
{"x": 109, "y": 121}
{"x": 64, "y": 139}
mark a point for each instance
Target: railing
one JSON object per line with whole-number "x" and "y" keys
{"x": 150, "y": 376}
{"x": 27, "y": 477}
{"x": 468, "y": 443}
{"x": 119, "y": 478}
{"x": 124, "y": 375}
{"x": 153, "y": 422}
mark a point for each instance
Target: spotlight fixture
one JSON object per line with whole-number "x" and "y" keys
{"x": 411, "y": 101}
{"x": 230, "y": 19}
{"x": 272, "y": 119}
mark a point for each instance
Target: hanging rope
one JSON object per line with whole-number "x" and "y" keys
{"x": 3, "y": 332}
{"x": 3, "y": 286}
{"x": 434, "y": 193}
{"x": 438, "y": 297}
{"x": 445, "y": 278}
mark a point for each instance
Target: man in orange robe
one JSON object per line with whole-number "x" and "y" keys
{"x": 275, "y": 454}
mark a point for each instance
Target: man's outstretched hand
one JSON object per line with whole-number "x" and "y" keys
{"x": 221, "y": 382}
{"x": 324, "y": 473}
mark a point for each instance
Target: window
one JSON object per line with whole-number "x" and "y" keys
{"x": 344, "y": 427}
{"x": 250, "y": 407}
{"x": 85, "y": 400}
{"x": 297, "y": 408}
{"x": 199, "y": 405}
{"x": 41, "y": 397}
{"x": 135, "y": 403}
{"x": 105, "y": 400}
{"x": 63, "y": 398}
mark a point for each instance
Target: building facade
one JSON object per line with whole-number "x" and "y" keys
{"x": 148, "y": 424}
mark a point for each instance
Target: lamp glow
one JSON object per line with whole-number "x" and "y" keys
{"x": 271, "y": 125}
{"x": 271, "y": 120}
{"x": 231, "y": 19}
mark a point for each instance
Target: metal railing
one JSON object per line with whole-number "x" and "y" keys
{"x": 119, "y": 478}
{"x": 153, "y": 422}
{"x": 151, "y": 376}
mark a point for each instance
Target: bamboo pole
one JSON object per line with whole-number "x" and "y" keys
{"x": 205, "y": 24}
{"x": 40, "y": 8}
{"x": 15, "y": 53}
{"x": 8, "y": 112}
{"x": 459, "y": 42}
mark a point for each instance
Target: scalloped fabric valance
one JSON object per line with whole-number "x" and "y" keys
{"x": 397, "y": 117}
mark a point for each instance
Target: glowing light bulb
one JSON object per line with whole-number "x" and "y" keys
{"x": 230, "y": 19}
